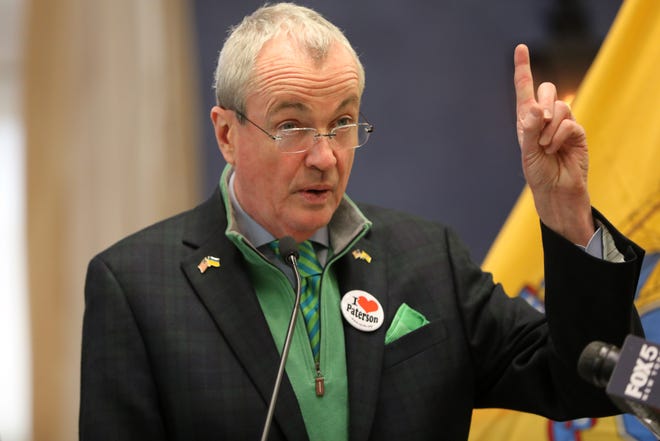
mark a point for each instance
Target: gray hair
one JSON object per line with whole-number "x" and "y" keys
{"x": 235, "y": 69}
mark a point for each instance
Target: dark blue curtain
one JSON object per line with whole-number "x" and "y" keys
{"x": 440, "y": 93}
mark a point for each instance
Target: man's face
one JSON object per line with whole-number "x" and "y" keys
{"x": 292, "y": 193}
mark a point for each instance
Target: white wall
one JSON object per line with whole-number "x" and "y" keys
{"x": 15, "y": 367}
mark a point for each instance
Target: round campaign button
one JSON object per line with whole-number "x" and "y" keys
{"x": 362, "y": 310}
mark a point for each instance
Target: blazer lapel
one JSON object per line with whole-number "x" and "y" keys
{"x": 364, "y": 350}
{"x": 228, "y": 295}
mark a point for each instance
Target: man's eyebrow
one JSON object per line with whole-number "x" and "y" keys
{"x": 289, "y": 105}
{"x": 348, "y": 101}
{"x": 297, "y": 105}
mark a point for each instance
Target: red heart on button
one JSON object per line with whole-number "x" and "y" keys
{"x": 367, "y": 305}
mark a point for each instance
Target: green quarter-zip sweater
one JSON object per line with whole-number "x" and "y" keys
{"x": 325, "y": 416}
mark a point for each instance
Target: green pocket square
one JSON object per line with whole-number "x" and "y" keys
{"x": 405, "y": 320}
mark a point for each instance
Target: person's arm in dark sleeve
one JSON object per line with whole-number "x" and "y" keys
{"x": 118, "y": 396}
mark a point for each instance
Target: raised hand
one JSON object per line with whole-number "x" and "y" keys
{"x": 554, "y": 155}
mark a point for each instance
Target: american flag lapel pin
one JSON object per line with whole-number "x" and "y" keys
{"x": 208, "y": 261}
{"x": 362, "y": 255}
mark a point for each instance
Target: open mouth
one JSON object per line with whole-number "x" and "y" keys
{"x": 316, "y": 192}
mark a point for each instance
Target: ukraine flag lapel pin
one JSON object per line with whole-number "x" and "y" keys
{"x": 362, "y": 255}
{"x": 208, "y": 261}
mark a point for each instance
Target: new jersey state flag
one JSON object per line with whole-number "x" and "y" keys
{"x": 618, "y": 104}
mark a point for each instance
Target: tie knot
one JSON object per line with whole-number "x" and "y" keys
{"x": 308, "y": 264}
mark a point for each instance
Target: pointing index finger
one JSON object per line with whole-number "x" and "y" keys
{"x": 522, "y": 77}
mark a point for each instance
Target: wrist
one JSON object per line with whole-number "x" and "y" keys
{"x": 574, "y": 225}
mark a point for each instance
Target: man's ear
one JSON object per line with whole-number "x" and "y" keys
{"x": 223, "y": 121}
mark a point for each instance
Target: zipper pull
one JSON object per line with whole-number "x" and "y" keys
{"x": 319, "y": 381}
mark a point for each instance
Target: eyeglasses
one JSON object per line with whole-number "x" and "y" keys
{"x": 301, "y": 139}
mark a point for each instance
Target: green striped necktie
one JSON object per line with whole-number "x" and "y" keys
{"x": 310, "y": 274}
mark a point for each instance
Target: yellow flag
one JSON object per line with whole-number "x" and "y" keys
{"x": 619, "y": 106}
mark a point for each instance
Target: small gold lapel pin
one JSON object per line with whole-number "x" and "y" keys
{"x": 207, "y": 262}
{"x": 360, "y": 254}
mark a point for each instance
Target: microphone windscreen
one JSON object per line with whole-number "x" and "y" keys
{"x": 288, "y": 247}
{"x": 597, "y": 362}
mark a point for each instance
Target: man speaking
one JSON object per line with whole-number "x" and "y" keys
{"x": 400, "y": 335}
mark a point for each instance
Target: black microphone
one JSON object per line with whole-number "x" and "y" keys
{"x": 630, "y": 375}
{"x": 289, "y": 252}
{"x": 597, "y": 362}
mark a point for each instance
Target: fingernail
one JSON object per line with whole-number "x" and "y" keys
{"x": 547, "y": 114}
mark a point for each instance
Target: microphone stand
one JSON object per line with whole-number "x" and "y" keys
{"x": 291, "y": 259}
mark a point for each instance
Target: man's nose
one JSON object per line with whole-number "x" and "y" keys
{"x": 329, "y": 136}
{"x": 322, "y": 153}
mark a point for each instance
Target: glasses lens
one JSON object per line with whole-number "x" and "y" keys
{"x": 296, "y": 140}
{"x": 352, "y": 136}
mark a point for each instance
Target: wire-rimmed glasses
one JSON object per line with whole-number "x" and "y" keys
{"x": 301, "y": 139}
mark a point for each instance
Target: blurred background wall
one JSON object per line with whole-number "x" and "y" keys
{"x": 104, "y": 129}
{"x": 440, "y": 93}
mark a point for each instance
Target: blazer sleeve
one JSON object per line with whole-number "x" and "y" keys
{"x": 584, "y": 289}
{"x": 528, "y": 361}
{"x": 118, "y": 395}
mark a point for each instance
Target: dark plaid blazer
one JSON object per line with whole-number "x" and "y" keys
{"x": 169, "y": 353}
